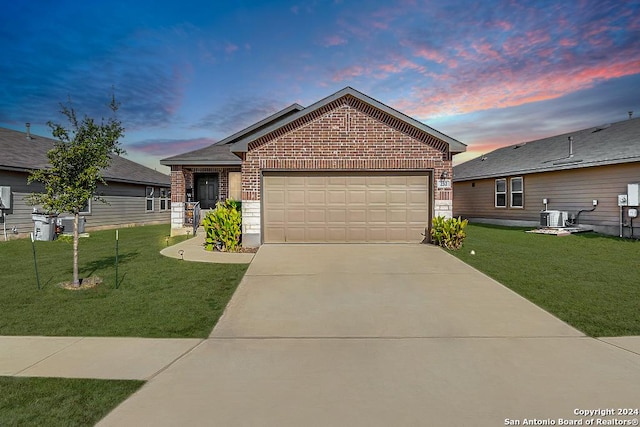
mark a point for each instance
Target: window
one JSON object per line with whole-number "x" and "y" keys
{"x": 165, "y": 199}
{"x": 86, "y": 210}
{"x": 235, "y": 185}
{"x": 149, "y": 197}
{"x": 517, "y": 193}
{"x": 501, "y": 193}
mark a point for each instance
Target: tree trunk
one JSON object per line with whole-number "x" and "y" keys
{"x": 76, "y": 280}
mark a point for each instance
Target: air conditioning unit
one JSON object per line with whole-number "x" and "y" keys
{"x": 66, "y": 223}
{"x": 554, "y": 218}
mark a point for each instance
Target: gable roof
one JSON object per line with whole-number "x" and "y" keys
{"x": 222, "y": 152}
{"x": 23, "y": 154}
{"x": 454, "y": 146}
{"x": 219, "y": 153}
{"x": 596, "y": 146}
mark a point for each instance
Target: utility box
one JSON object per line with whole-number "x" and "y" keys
{"x": 633, "y": 194}
{"x": 66, "y": 224}
{"x": 44, "y": 227}
{"x": 5, "y": 198}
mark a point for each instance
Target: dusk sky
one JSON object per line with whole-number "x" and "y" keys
{"x": 189, "y": 73}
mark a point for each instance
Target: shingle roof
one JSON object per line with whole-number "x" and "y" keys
{"x": 220, "y": 153}
{"x": 596, "y": 146}
{"x": 21, "y": 154}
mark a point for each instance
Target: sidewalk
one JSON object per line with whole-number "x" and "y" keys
{"x": 193, "y": 250}
{"x": 90, "y": 357}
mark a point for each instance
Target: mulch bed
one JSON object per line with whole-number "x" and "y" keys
{"x": 86, "y": 283}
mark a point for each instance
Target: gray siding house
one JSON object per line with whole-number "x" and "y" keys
{"x": 136, "y": 195}
{"x": 510, "y": 186}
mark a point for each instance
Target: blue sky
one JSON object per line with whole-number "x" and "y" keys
{"x": 189, "y": 73}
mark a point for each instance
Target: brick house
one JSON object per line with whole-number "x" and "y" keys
{"x": 345, "y": 169}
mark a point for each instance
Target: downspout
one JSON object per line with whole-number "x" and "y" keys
{"x": 621, "y": 219}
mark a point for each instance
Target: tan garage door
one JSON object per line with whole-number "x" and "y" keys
{"x": 355, "y": 207}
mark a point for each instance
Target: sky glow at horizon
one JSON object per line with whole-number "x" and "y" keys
{"x": 190, "y": 73}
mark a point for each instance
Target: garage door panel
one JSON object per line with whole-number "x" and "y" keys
{"x": 417, "y": 181}
{"x": 275, "y": 216}
{"x": 316, "y": 197}
{"x": 351, "y": 207}
{"x": 377, "y": 197}
{"x": 316, "y": 234}
{"x": 337, "y": 234}
{"x": 295, "y": 216}
{"x": 356, "y": 234}
{"x": 274, "y": 234}
{"x": 340, "y": 181}
{"x": 295, "y": 197}
{"x": 418, "y": 197}
{"x": 356, "y": 181}
{"x": 417, "y": 216}
{"x": 336, "y": 197}
{"x": 377, "y": 234}
{"x": 337, "y": 216}
{"x": 398, "y": 197}
{"x": 356, "y": 197}
{"x": 377, "y": 216}
{"x": 355, "y": 216}
{"x": 397, "y": 216}
{"x": 294, "y": 234}
{"x": 377, "y": 181}
{"x": 274, "y": 196}
{"x": 315, "y": 216}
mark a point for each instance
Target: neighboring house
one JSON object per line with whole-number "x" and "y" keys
{"x": 135, "y": 194}
{"x": 345, "y": 169}
{"x": 510, "y": 185}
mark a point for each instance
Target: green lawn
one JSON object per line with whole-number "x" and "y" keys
{"x": 60, "y": 401}
{"x": 157, "y": 296}
{"x": 590, "y": 281}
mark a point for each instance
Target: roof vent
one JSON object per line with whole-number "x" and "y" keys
{"x": 522, "y": 144}
{"x": 570, "y": 146}
{"x": 28, "y": 125}
{"x": 630, "y": 114}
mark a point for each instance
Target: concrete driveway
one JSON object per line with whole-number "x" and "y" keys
{"x": 380, "y": 335}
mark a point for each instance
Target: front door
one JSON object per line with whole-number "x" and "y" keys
{"x": 207, "y": 191}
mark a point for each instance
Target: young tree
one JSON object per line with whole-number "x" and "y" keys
{"x": 77, "y": 163}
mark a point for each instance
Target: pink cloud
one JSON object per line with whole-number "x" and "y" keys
{"x": 348, "y": 73}
{"x": 169, "y": 147}
{"x": 499, "y": 89}
{"x": 567, "y": 42}
{"x": 333, "y": 41}
{"x": 230, "y": 48}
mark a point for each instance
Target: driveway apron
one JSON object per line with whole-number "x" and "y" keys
{"x": 380, "y": 335}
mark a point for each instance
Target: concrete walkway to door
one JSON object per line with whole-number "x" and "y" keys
{"x": 380, "y": 335}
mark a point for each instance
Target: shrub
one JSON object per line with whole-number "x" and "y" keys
{"x": 448, "y": 233}
{"x": 223, "y": 227}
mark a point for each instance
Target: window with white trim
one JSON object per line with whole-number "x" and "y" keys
{"x": 149, "y": 198}
{"x": 86, "y": 209}
{"x": 165, "y": 199}
{"x": 517, "y": 192}
{"x": 501, "y": 193}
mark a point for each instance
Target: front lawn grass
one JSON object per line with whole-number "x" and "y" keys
{"x": 60, "y": 401}
{"x": 588, "y": 280}
{"x": 157, "y": 296}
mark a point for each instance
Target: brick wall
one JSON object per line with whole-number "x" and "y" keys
{"x": 346, "y": 138}
{"x": 182, "y": 177}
